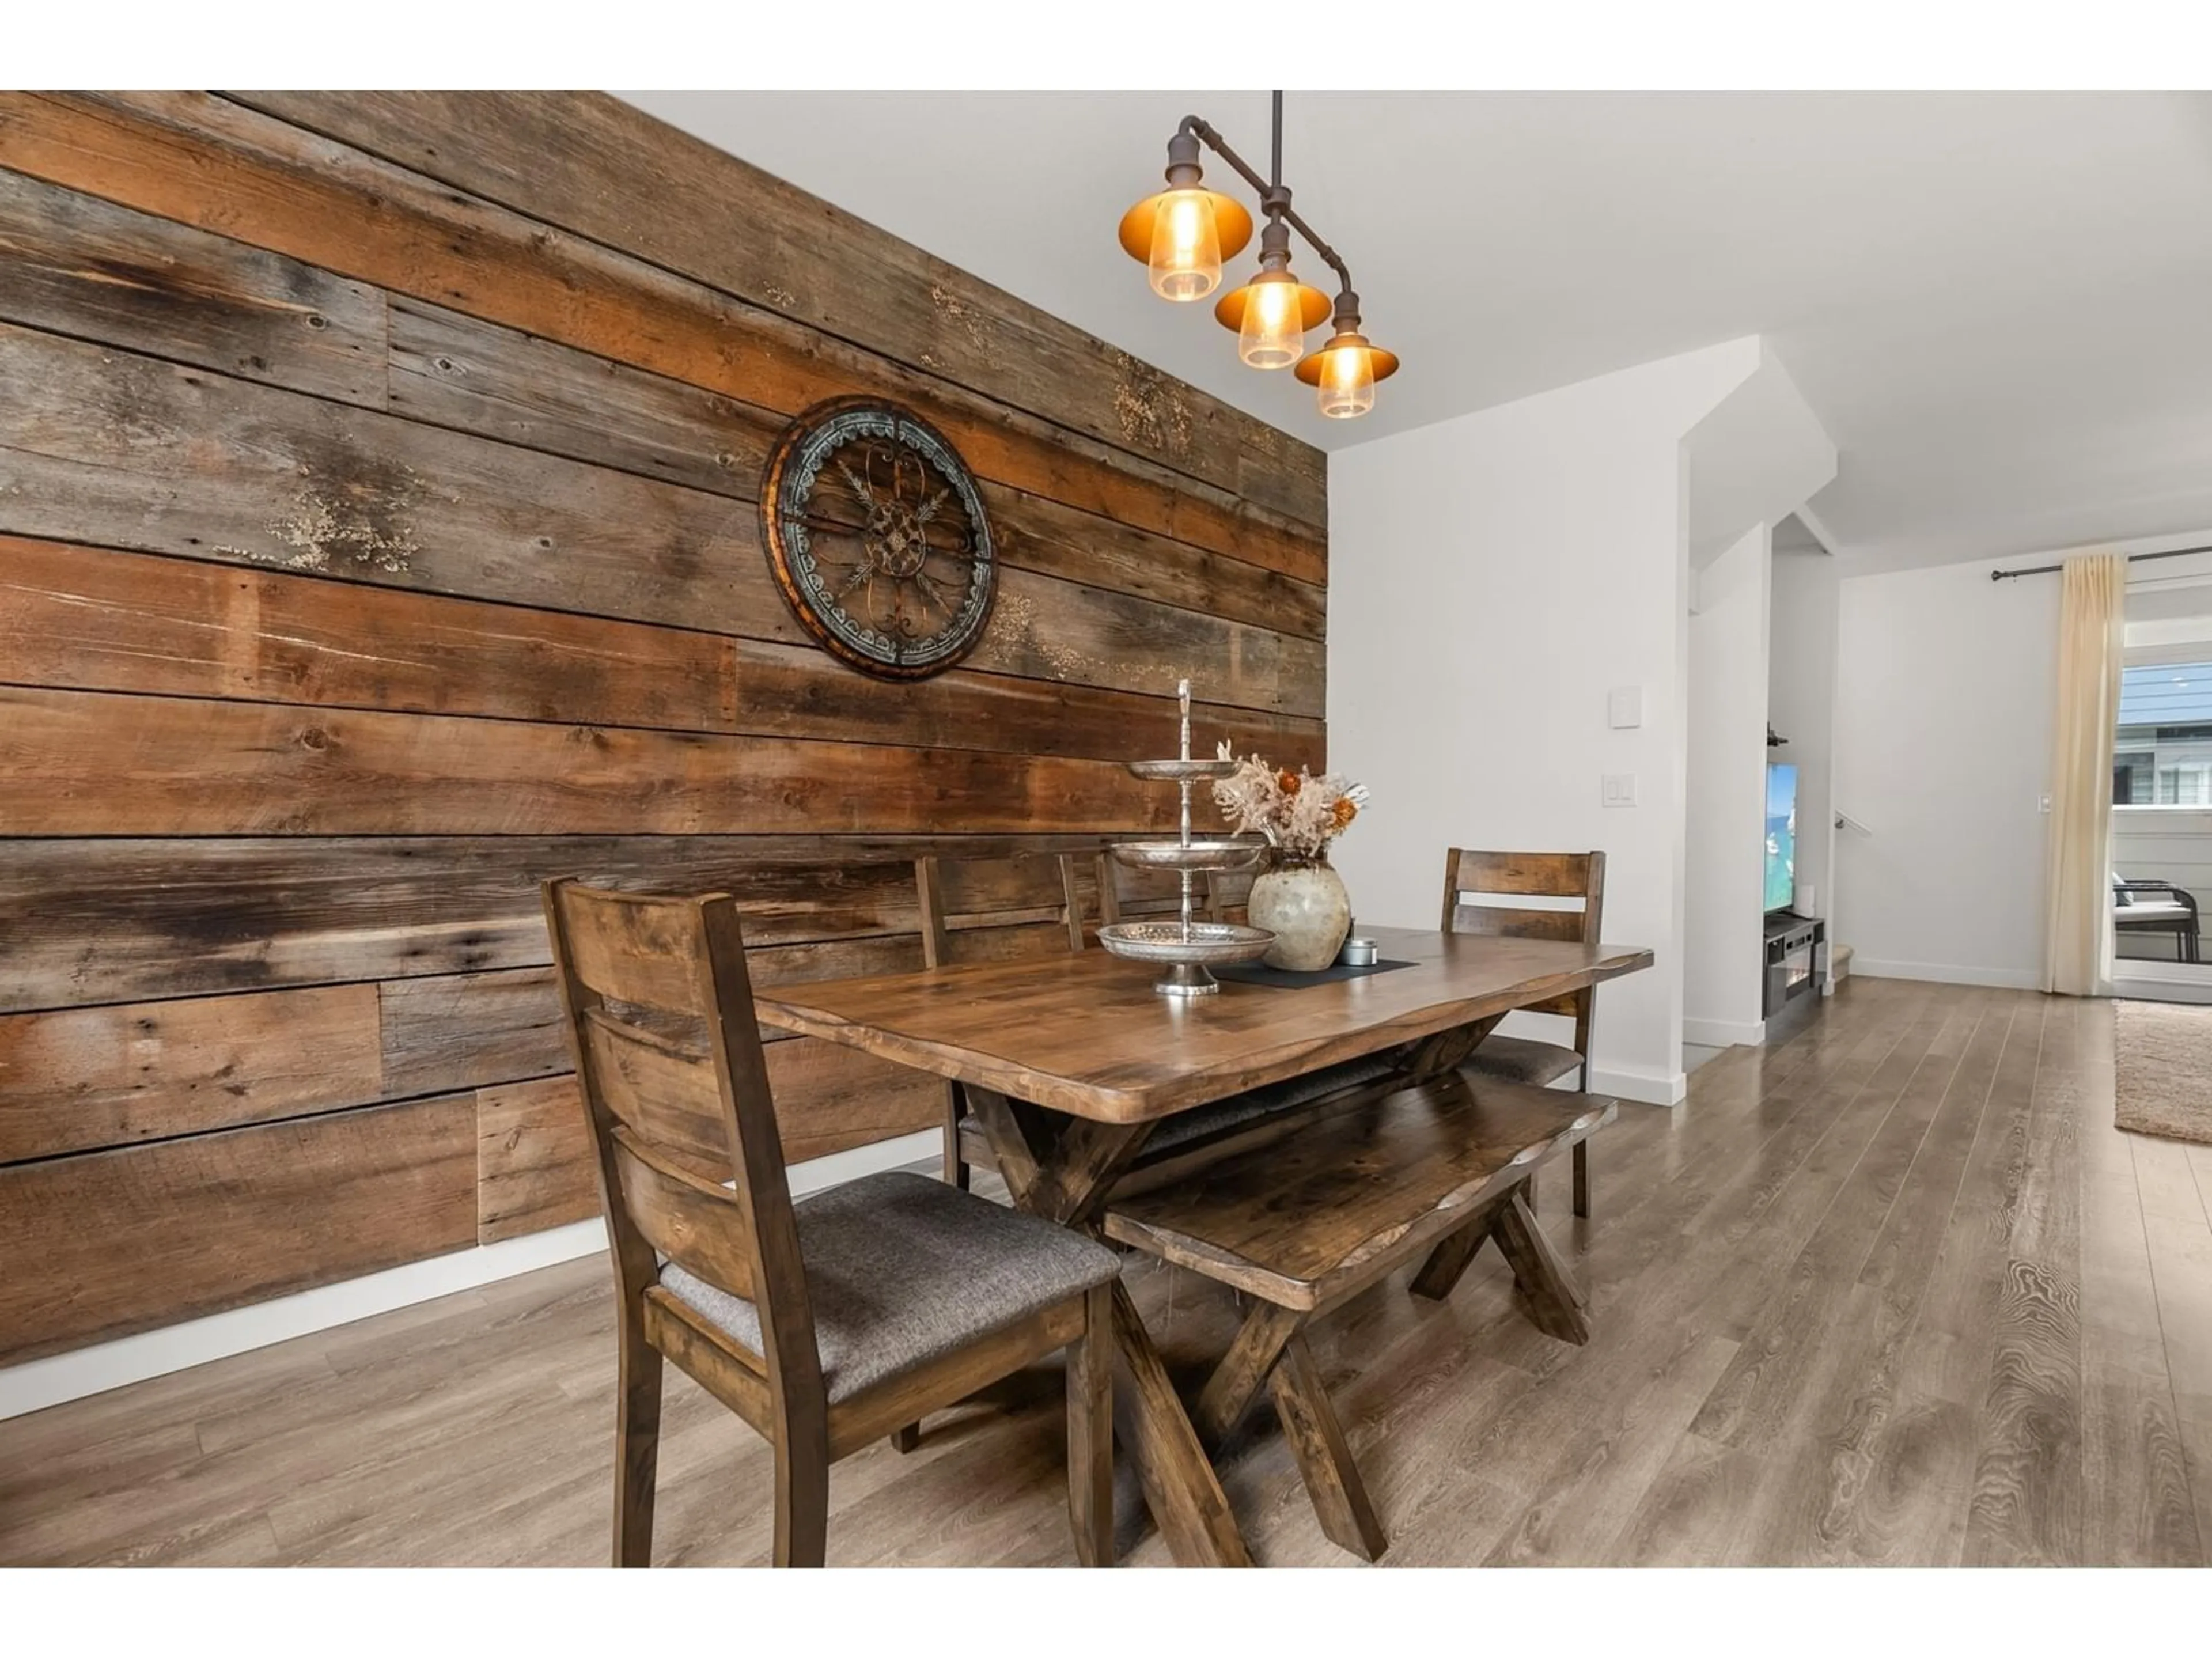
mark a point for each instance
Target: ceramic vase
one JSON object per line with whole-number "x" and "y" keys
{"x": 1302, "y": 901}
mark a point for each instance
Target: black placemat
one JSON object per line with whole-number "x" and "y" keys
{"x": 1258, "y": 972}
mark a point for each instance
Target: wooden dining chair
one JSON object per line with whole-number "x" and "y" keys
{"x": 1474, "y": 882}
{"x": 1001, "y": 909}
{"x": 824, "y": 1324}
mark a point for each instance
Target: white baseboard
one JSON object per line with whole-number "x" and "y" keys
{"x": 38, "y": 1383}
{"x": 1647, "y": 1084}
{"x": 1944, "y": 973}
{"x": 2163, "y": 987}
{"x": 1723, "y": 1033}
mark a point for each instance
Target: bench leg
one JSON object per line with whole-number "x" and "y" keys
{"x": 1440, "y": 1274}
{"x": 1555, "y": 1302}
{"x": 1243, "y": 1372}
{"x": 906, "y": 1437}
{"x": 1339, "y": 1495}
{"x": 1581, "y": 1179}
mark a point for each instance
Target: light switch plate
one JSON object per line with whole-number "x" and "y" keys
{"x": 1624, "y": 708}
{"x": 1620, "y": 789}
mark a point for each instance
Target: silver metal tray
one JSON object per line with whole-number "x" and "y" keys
{"x": 1173, "y": 771}
{"x": 1196, "y": 855}
{"x": 1208, "y": 942}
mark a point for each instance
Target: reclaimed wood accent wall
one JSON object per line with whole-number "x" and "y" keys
{"x": 378, "y": 535}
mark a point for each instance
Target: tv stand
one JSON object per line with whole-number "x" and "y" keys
{"x": 1795, "y": 947}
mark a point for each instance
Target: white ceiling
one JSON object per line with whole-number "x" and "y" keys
{"x": 1999, "y": 305}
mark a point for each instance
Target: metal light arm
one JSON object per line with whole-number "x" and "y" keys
{"x": 1275, "y": 199}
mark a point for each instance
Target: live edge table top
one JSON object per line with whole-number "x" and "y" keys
{"x": 1086, "y": 1034}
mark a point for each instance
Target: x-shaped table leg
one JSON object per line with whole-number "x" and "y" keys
{"x": 1064, "y": 1176}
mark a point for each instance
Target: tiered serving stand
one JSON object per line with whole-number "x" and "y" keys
{"x": 1188, "y": 948}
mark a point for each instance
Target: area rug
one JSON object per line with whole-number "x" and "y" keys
{"x": 2163, "y": 1061}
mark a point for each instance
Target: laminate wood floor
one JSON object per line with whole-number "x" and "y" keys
{"x": 1893, "y": 1292}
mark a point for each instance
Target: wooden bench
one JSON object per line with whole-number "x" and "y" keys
{"x": 1305, "y": 1219}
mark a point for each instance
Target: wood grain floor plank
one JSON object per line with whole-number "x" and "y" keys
{"x": 2138, "y": 1509}
{"x": 2027, "y": 1506}
{"x": 2180, "y": 1245}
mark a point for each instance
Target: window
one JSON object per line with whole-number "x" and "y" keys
{"x": 2162, "y": 752}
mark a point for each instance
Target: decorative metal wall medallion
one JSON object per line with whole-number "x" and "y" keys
{"x": 878, "y": 538}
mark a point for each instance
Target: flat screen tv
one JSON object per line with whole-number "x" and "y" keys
{"x": 1781, "y": 837}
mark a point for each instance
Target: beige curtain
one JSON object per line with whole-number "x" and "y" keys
{"x": 2078, "y": 948}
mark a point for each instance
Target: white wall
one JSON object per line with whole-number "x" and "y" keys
{"x": 1801, "y": 702}
{"x": 1723, "y": 958}
{"x": 1944, "y": 698}
{"x": 1496, "y": 574}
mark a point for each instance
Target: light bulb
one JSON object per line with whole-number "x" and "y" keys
{"x": 1347, "y": 381}
{"x": 1186, "y": 263}
{"x": 1272, "y": 333}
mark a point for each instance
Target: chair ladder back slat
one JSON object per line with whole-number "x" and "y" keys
{"x": 661, "y": 1091}
{"x": 696, "y": 1223}
{"x": 1508, "y": 921}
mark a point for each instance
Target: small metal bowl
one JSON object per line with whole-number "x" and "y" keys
{"x": 1359, "y": 953}
{"x": 1196, "y": 855}
{"x": 1165, "y": 941}
{"x": 1175, "y": 771}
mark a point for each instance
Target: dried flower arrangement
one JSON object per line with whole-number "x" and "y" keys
{"x": 1295, "y": 811}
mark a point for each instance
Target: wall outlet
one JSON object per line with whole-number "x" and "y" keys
{"x": 1624, "y": 708}
{"x": 1620, "y": 789}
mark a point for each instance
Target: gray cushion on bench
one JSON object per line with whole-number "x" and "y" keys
{"x": 1204, "y": 1122}
{"x": 1521, "y": 1060}
{"x": 902, "y": 1269}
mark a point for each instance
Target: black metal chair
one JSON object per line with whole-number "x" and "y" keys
{"x": 2175, "y": 912}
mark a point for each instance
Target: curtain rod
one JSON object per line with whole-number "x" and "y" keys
{"x": 2053, "y": 569}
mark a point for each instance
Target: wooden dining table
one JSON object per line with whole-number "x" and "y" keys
{"x": 1070, "y": 1062}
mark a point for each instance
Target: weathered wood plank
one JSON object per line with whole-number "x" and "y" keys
{"x": 466, "y": 1030}
{"x": 88, "y": 762}
{"x": 475, "y": 376}
{"x": 276, "y": 480}
{"x": 98, "y": 620}
{"x": 87, "y": 1077}
{"x": 575, "y": 160}
{"x": 830, "y": 1098}
{"x": 106, "y": 1243}
{"x": 535, "y": 1166}
{"x": 332, "y": 206}
{"x": 81, "y": 266}
{"x": 122, "y": 919}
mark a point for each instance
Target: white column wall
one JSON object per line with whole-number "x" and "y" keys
{"x": 1492, "y": 577}
{"x": 1723, "y": 958}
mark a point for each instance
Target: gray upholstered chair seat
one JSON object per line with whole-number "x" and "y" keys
{"x": 1203, "y": 1122}
{"x": 901, "y": 1269}
{"x": 1521, "y": 1060}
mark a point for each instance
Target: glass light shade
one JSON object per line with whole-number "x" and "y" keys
{"x": 1272, "y": 333}
{"x": 1186, "y": 262}
{"x": 1347, "y": 381}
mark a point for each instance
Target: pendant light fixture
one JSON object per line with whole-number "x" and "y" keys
{"x": 1347, "y": 368}
{"x": 1183, "y": 233}
{"x": 1274, "y": 313}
